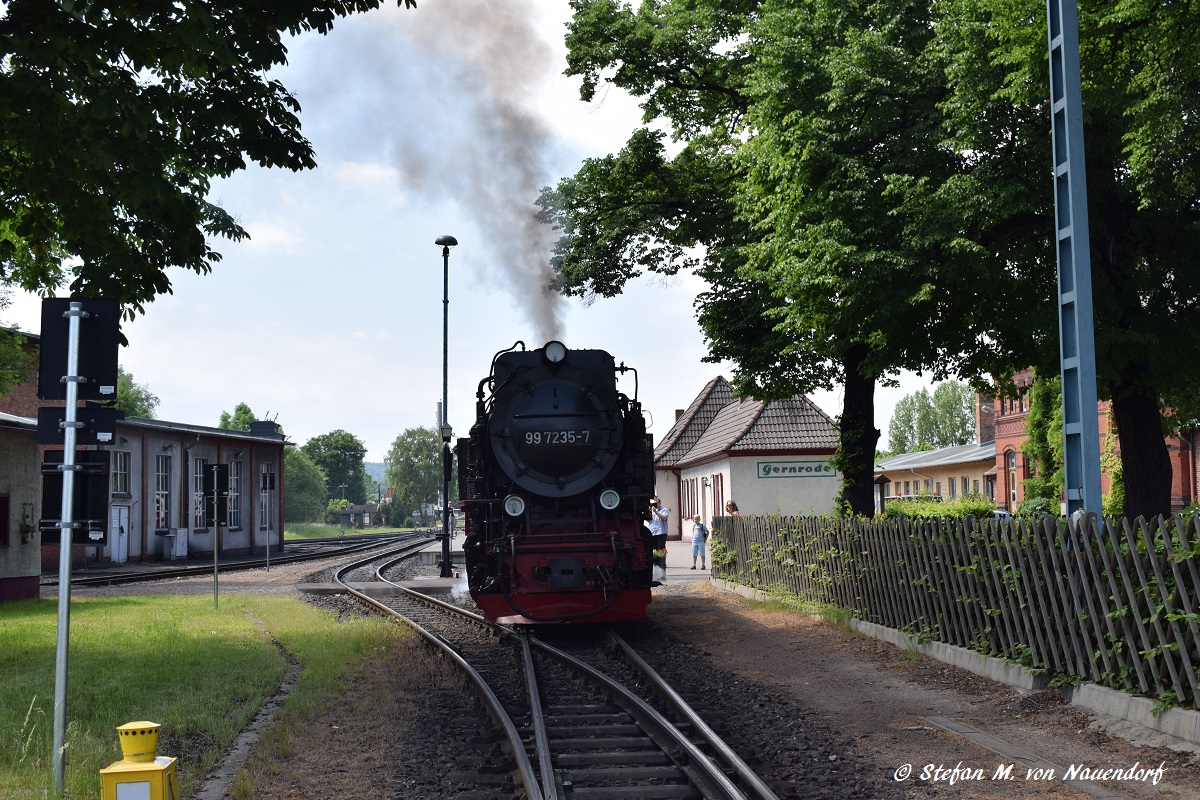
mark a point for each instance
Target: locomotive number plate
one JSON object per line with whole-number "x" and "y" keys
{"x": 557, "y": 437}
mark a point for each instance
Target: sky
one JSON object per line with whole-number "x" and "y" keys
{"x": 446, "y": 119}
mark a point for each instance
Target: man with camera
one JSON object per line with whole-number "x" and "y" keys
{"x": 658, "y": 524}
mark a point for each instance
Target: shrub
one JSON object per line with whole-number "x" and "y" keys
{"x": 972, "y": 504}
{"x": 1037, "y": 506}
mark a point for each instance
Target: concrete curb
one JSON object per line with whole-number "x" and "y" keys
{"x": 1178, "y": 723}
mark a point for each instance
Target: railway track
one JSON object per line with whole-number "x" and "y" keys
{"x": 573, "y": 731}
{"x": 298, "y": 551}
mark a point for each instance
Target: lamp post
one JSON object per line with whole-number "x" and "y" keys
{"x": 445, "y": 242}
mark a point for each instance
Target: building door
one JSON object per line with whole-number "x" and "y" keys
{"x": 118, "y": 534}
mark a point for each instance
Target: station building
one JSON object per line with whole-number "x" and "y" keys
{"x": 153, "y": 494}
{"x": 771, "y": 458}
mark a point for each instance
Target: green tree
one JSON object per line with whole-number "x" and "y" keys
{"x": 339, "y": 454}
{"x": 414, "y": 470}
{"x": 116, "y": 117}
{"x": 922, "y": 421}
{"x": 16, "y": 366}
{"x": 239, "y": 420}
{"x": 333, "y": 511}
{"x": 305, "y": 498}
{"x": 135, "y": 399}
{"x": 797, "y": 124}
{"x": 1140, "y": 64}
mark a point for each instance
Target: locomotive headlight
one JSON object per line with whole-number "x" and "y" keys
{"x": 555, "y": 352}
{"x": 514, "y": 505}
{"x": 609, "y": 499}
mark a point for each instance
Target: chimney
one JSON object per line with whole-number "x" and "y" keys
{"x": 678, "y": 414}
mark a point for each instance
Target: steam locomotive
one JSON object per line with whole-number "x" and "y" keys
{"x": 554, "y": 480}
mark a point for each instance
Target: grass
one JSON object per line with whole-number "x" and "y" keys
{"x": 201, "y": 674}
{"x": 320, "y": 531}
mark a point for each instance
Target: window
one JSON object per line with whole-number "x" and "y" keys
{"x": 4, "y": 515}
{"x": 235, "y": 494}
{"x": 264, "y": 495}
{"x": 907, "y": 484}
{"x": 162, "y": 492}
{"x": 964, "y": 484}
{"x": 953, "y": 485}
{"x": 198, "y": 465}
{"x": 1011, "y": 463}
{"x": 938, "y": 489}
{"x": 974, "y": 486}
{"x": 120, "y": 472}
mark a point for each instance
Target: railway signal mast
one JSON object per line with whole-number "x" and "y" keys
{"x": 1077, "y": 345}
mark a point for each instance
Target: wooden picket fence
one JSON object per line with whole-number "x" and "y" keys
{"x": 1113, "y": 603}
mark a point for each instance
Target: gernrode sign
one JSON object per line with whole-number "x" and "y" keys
{"x": 795, "y": 469}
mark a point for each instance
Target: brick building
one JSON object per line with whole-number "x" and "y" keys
{"x": 1008, "y": 416}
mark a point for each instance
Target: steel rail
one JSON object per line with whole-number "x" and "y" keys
{"x": 490, "y": 701}
{"x": 706, "y": 776}
{"x": 117, "y": 577}
{"x": 724, "y": 753}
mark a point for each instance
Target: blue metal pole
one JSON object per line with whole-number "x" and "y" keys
{"x": 1077, "y": 346}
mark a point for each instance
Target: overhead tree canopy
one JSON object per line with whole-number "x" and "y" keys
{"x": 796, "y": 122}
{"x": 867, "y": 187}
{"x": 115, "y": 118}
{"x": 1140, "y": 64}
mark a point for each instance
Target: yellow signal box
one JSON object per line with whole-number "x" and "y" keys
{"x": 140, "y": 775}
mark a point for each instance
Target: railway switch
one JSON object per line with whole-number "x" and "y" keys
{"x": 140, "y": 775}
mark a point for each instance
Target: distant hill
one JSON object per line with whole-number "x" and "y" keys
{"x": 377, "y": 470}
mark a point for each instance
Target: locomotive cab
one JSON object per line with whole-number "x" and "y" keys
{"x": 553, "y": 478}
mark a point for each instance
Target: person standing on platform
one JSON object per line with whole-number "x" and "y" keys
{"x": 699, "y": 537}
{"x": 658, "y": 524}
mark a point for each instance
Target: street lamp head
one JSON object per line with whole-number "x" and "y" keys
{"x": 446, "y": 241}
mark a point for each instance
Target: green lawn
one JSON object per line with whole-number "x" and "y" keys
{"x": 317, "y": 531}
{"x": 201, "y": 674}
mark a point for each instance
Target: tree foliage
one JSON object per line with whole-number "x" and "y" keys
{"x": 16, "y": 365}
{"x": 304, "y": 500}
{"x": 116, "y": 117}
{"x": 797, "y": 123}
{"x": 239, "y": 420}
{"x": 135, "y": 399}
{"x": 340, "y": 455}
{"x": 1044, "y": 440}
{"x": 866, "y": 186}
{"x": 414, "y": 470}
{"x": 922, "y": 421}
{"x": 1140, "y": 64}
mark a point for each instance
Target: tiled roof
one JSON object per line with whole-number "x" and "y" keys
{"x": 716, "y": 424}
{"x": 688, "y": 429}
{"x": 942, "y": 457}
